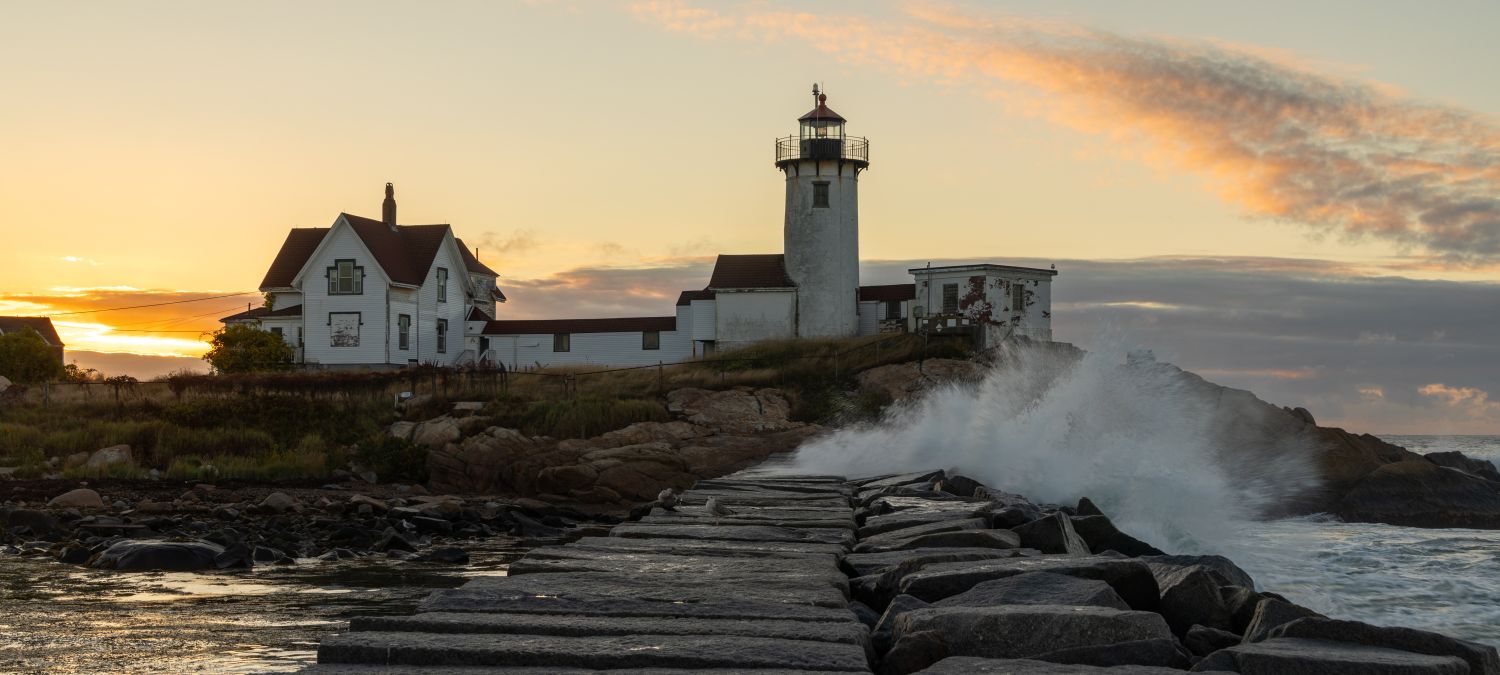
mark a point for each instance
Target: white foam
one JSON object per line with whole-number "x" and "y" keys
{"x": 1153, "y": 447}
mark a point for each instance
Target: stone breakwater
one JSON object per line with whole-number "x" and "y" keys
{"x": 924, "y": 572}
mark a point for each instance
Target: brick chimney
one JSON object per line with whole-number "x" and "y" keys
{"x": 388, "y": 207}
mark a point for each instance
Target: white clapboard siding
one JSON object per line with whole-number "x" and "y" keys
{"x": 869, "y": 317}
{"x": 342, "y": 243}
{"x": 590, "y": 349}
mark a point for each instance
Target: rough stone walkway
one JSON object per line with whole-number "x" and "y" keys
{"x": 757, "y": 590}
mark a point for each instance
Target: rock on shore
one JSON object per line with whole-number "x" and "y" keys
{"x": 785, "y": 582}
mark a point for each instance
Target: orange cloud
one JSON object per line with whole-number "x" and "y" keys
{"x": 1268, "y": 134}
{"x": 160, "y": 330}
{"x": 1472, "y": 400}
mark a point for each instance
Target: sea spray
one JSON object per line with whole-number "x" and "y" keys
{"x": 1173, "y": 459}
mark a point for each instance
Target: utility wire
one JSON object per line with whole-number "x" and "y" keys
{"x": 157, "y": 304}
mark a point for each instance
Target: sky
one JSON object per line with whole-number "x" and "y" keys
{"x": 1301, "y": 199}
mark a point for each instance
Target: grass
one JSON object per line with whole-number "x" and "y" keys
{"x": 252, "y": 435}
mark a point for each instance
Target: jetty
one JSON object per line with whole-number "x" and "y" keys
{"x": 921, "y": 572}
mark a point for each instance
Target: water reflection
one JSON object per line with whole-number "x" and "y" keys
{"x": 57, "y": 618}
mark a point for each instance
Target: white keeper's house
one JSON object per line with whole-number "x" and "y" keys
{"x": 372, "y": 293}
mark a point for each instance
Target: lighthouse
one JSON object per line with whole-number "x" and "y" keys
{"x": 821, "y": 237}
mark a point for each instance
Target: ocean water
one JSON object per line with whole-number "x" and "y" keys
{"x": 1167, "y": 460}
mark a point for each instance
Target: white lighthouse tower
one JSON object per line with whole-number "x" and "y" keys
{"x": 821, "y": 238}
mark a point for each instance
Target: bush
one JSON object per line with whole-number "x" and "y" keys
{"x": 393, "y": 458}
{"x": 240, "y": 348}
{"x": 26, "y": 358}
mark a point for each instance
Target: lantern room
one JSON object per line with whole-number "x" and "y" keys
{"x": 821, "y": 137}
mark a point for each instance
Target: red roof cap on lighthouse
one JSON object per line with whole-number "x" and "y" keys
{"x": 822, "y": 112}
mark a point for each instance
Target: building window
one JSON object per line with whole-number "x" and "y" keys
{"x": 950, "y": 298}
{"x": 442, "y": 336}
{"x": 892, "y": 309}
{"x": 343, "y": 329}
{"x": 651, "y": 339}
{"x": 562, "y": 342}
{"x": 346, "y": 278}
{"x": 403, "y": 331}
{"x": 820, "y": 195}
{"x": 1017, "y": 296}
{"x": 277, "y": 331}
{"x": 442, "y": 284}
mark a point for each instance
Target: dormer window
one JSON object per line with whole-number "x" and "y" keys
{"x": 346, "y": 278}
{"x": 442, "y": 284}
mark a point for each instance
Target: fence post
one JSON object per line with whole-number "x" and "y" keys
{"x": 661, "y": 379}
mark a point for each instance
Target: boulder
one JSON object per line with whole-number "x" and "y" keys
{"x": 467, "y": 408}
{"x": 169, "y": 556}
{"x": 81, "y": 498}
{"x": 1202, "y": 640}
{"x": 992, "y": 539}
{"x": 281, "y": 502}
{"x": 904, "y": 537}
{"x": 1024, "y": 631}
{"x": 1163, "y": 652}
{"x": 1482, "y": 468}
{"x": 1272, "y": 612}
{"x": 914, "y": 653}
{"x": 1086, "y": 507}
{"x": 738, "y": 410}
{"x": 498, "y": 460}
{"x": 376, "y": 505}
{"x": 1052, "y": 534}
{"x": 1482, "y": 659}
{"x": 39, "y": 523}
{"x": 1226, "y": 573}
{"x": 1190, "y": 596}
{"x": 899, "y": 381}
{"x": 720, "y": 454}
{"x": 76, "y": 459}
{"x": 1101, "y": 535}
{"x": 1131, "y": 579}
{"x": 566, "y": 479}
{"x": 1419, "y": 493}
{"x": 861, "y": 564}
{"x": 971, "y": 665}
{"x": 401, "y": 429}
{"x": 104, "y": 458}
{"x": 437, "y": 432}
{"x": 881, "y": 632}
{"x": 1037, "y": 588}
{"x": 672, "y": 433}
{"x": 640, "y": 472}
{"x": 1298, "y": 656}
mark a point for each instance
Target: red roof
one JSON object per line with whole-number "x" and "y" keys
{"x": 264, "y": 313}
{"x": 295, "y": 251}
{"x": 472, "y": 263}
{"x": 822, "y": 112}
{"x": 41, "y": 324}
{"x": 405, "y": 253}
{"x": 766, "y": 270}
{"x": 688, "y": 297}
{"x": 545, "y": 326}
{"x": 888, "y": 292}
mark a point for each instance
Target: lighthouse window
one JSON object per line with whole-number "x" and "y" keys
{"x": 820, "y": 195}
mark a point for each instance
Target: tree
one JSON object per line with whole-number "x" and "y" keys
{"x": 72, "y": 374}
{"x": 240, "y": 348}
{"x": 26, "y": 358}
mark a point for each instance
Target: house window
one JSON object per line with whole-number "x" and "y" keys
{"x": 651, "y": 339}
{"x": 562, "y": 342}
{"x": 442, "y": 284}
{"x": 950, "y": 298}
{"x": 343, "y": 329}
{"x": 277, "y": 331}
{"x": 892, "y": 309}
{"x": 442, "y": 336}
{"x": 1017, "y": 296}
{"x": 346, "y": 278}
{"x": 820, "y": 195}
{"x": 403, "y": 331}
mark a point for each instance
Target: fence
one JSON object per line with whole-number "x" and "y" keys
{"x": 769, "y": 367}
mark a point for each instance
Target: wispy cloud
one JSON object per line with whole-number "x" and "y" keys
{"x": 1268, "y": 133}
{"x": 1472, "y": 400}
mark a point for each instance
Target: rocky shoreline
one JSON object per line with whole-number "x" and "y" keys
{"x": 925, "y": 572}
{"x": 197, "y": 527}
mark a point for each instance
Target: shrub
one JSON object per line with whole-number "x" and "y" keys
{"x": 393, "y": 458}
{"x": 243, "y": 349}
{"x": 27, "y": 359}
